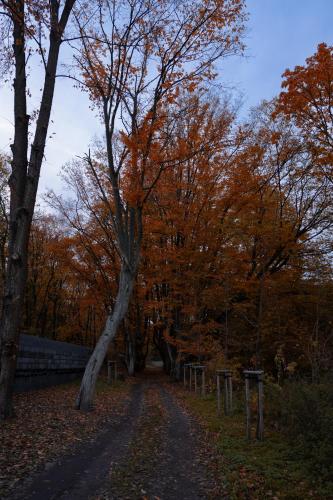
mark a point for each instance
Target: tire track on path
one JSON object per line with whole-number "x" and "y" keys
{"x": 165, "y": 459}
{"x": 78, "y": 476}
{"x": 154, "y": 451}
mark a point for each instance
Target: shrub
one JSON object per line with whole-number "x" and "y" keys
{"x": 304, "y": 412}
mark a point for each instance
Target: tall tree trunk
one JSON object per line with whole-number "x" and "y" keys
{"x": 130, "y": 353}
{"x": 226, "y": 338}
{"x": 23, "y": 185}
{"x": 16, "y": 271}
{"x": 259, "y": 323}
{"x": 87, "y": 390}
{"x": 171, "y": 359}
{"x": 131, "y": 358}
{"x": 178, "y": 366}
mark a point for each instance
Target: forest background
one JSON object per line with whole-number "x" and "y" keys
{"x": 263, "y": 285}
{"x": 211, "y": 238}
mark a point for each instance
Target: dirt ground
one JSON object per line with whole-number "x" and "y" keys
{"x": 152, "y": 450}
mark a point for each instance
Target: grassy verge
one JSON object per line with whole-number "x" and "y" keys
{"x": 256, "y": 470}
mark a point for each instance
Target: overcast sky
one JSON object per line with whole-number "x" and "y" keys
{"x": 281, "y": 34}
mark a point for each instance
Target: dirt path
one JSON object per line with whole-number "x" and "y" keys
{"x": 153, "y": 452}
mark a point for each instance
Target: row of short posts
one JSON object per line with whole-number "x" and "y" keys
{"x": 112, "y": 371}
{"x": 256, "y": 376}
{"x": 224, "y": 377}
{"x": 196, "y": 372}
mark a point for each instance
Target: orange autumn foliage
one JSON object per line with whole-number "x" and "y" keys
{"x": 307, "y": 99}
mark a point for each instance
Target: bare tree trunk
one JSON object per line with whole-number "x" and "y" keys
{"x": 130, "y": 354}
{"x": 259, "y": 322}
{"x": 87, "y": 390}
{"x": 131, "y": 359}
{"x": 171, "y": 359}
{"x": 23, "y": 185}
{"x": 17, "y": 262}
{"x": 177, "y": 370}
{"x": 226, "y": 323}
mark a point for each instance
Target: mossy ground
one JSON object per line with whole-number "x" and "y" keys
{"x": 253, "y": 469}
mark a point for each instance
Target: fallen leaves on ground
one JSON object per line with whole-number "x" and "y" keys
{"x": 47, "y": 426}
{"x": 128, "y": 480}
{"x": 207, "y": 454}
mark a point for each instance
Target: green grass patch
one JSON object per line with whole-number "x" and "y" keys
{"x": 253, "y": 469}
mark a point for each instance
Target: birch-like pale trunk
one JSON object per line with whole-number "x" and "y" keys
{"x": 87, "y": 390}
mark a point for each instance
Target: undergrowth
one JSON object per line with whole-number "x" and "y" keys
{"x": 293, "y": 461}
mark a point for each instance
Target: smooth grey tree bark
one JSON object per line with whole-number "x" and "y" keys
{"x": 114, "y": 319}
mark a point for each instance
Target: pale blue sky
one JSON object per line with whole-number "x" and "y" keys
{"x": 281, "y": 34}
